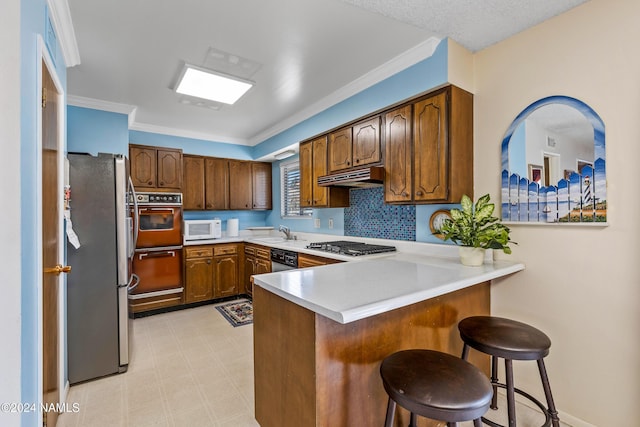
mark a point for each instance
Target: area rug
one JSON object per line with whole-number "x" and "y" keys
{"x": 238, "y": 313}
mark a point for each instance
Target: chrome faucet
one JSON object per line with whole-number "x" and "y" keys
{"x": 286, "y": 232}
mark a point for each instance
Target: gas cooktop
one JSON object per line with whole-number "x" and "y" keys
{"x": 345, "y": 247}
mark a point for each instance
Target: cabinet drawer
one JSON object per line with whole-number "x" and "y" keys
{"x": 263, "y": 253}
{"x": 249, "y": 250}
{"x": 225, "y": 249}
{"x": 198, "y": 252}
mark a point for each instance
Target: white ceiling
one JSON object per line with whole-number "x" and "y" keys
{"x": 299, "y": 53}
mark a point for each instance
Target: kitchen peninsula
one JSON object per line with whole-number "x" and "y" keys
{"x": 321, "y": 333}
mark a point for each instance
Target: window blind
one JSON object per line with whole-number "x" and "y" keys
{"x": 290, "y": 191}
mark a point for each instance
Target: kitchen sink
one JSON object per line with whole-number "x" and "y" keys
{"x": 269, "y": 239}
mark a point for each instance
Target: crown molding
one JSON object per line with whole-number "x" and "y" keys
{"x": 406, "y": 59}
{"x": 63, "y": 25}
{"x": 98, "y": 104}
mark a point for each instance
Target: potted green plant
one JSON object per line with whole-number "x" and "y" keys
{"x": 475, "y": 229}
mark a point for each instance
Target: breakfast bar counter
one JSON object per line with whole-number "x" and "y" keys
{"x": 320, "y": 334}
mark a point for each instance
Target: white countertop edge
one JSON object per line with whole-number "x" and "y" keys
{"x": 372, "y": 309}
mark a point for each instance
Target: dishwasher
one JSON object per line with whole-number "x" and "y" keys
{"x": 282, "y": 260}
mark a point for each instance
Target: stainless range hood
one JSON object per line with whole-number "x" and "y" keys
{"x": 364, "y": 177}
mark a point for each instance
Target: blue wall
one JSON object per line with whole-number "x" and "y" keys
{"x": 192, "y": 146}
{"x": 34, "y": 21}
{"x": 96, "y": 131}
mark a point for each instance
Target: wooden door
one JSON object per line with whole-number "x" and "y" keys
{"x": 50, "y": 246}
{"x": 340, "y": 149}
{"x": 169, "y": 169}
{"x": 430, "y": 149}
{"x": 366, "y": 142}
{"x": 261, "y": 189}
{"x": 397, "y": 180}
{"x": 240, "y": 184}
{"x": 193, "y": 183}
{"x": 226, "y": 275}
{"x": 306, "y": 174}
{"x": 320, "y": 194}
{"x": 143, "y": 166}
{"x": 198, "y": 279}
{"x": 216, "y": 175}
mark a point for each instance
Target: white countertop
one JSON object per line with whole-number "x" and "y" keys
{"x": 375, "y": 284}
{"x": 351, "y": 291}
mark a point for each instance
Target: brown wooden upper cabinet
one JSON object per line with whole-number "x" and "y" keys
{"x": 249, "y": 185}
{"x": 261, "y": 178}
{"x": 193, "y": 186}
{"x": 156, "y": 167}
{"x": 356, "y": 145}
{"x": 429, "y": 149}
{"x": 216, "y": 176}
{"x": 313, "y": 163}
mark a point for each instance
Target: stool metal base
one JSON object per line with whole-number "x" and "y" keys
{"x": 543, "y": 409}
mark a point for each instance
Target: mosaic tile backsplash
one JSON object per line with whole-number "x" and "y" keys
{"x": 368, "y": 216}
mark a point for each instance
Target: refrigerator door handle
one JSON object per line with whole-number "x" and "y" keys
{"x": 136, "y": 213}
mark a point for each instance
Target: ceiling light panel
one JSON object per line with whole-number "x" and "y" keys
{"x": 207, "y": 84}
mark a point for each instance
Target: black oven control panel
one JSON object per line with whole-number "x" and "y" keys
{"x": 159, "y": 198}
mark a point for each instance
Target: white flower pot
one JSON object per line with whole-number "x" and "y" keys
{"x": 471, "y": 256}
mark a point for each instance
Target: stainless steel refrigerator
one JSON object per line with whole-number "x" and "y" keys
{"x": 98, "y": 319}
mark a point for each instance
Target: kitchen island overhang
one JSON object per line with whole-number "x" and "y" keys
{"x": 320, "y": 334}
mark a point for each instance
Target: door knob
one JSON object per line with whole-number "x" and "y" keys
{"x": 58, "y": 269}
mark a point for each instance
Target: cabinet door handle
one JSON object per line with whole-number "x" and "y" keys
{"x": 208, "y": 261}
{"x": 357, "y": 160}
{"x": 404, "y": 194}
{"x": 161, "y": 183}
{"x": 419, "y": 193}
{"x": 150, "y": 183}
{"x": 348, "y": 163}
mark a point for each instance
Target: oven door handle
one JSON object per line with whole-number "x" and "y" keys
{"x": 156, "y": 254}
{"x": 171, "y": 210}
{"x": 134, "y": 281}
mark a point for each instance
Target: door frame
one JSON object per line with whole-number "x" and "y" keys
{"x": 44, "y": 57}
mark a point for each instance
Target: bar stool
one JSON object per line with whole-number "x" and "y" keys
{"x": 510, "y": 340}
{"x": 434, "y": 385}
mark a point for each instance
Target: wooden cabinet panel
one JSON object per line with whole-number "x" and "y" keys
{"x": 156, "y": 168}
{"x": 249, "y": 270}
{"x": 225, "y": 280}
{"x": 143, "y": 162}
{"x": 313, "y": 164}
{"x": 216, "y": 183}
{"x": 306, "y": 260}
{"x": 169, "y": 169}
{"x": 340, "y": 149}
{"x": 257, "y": 261}
{"x": 261, "y": 176}
{"x": 430, "y": 178}
{"x": 366, "y": 142}
{"x": 398, "y": 172}
{"x": 306, "y": 174}
{"x": 240, "y": 185}
{"x": 198, "y": 279}
{"x": 193, "y": 189}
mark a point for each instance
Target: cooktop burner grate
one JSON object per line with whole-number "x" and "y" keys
{"x": 345, "y": 247}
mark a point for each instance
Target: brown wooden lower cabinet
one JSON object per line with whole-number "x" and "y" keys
{"x": 312, "y": 371}
{"x": 257, "y": 260}
{"x": 306, "y": 260}
{"x": 211, "y": 271}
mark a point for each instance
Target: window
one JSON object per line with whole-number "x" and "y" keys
{"x": 290, "y": 191}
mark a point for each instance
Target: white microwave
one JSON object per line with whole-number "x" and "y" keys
{"x": 202, "y": 229}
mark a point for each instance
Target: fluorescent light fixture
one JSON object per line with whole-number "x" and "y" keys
{"x": 284, "y": 154}
{"x": 207, "y": 84}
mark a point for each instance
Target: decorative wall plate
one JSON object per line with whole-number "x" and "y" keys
{"x": 436, "y": 221}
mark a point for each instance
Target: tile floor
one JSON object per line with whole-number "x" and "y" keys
{"x": 189, "y": 368}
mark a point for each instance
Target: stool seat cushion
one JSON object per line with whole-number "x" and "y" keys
{"x": 436, "y": 385}
{"x": 504, "y": 338}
